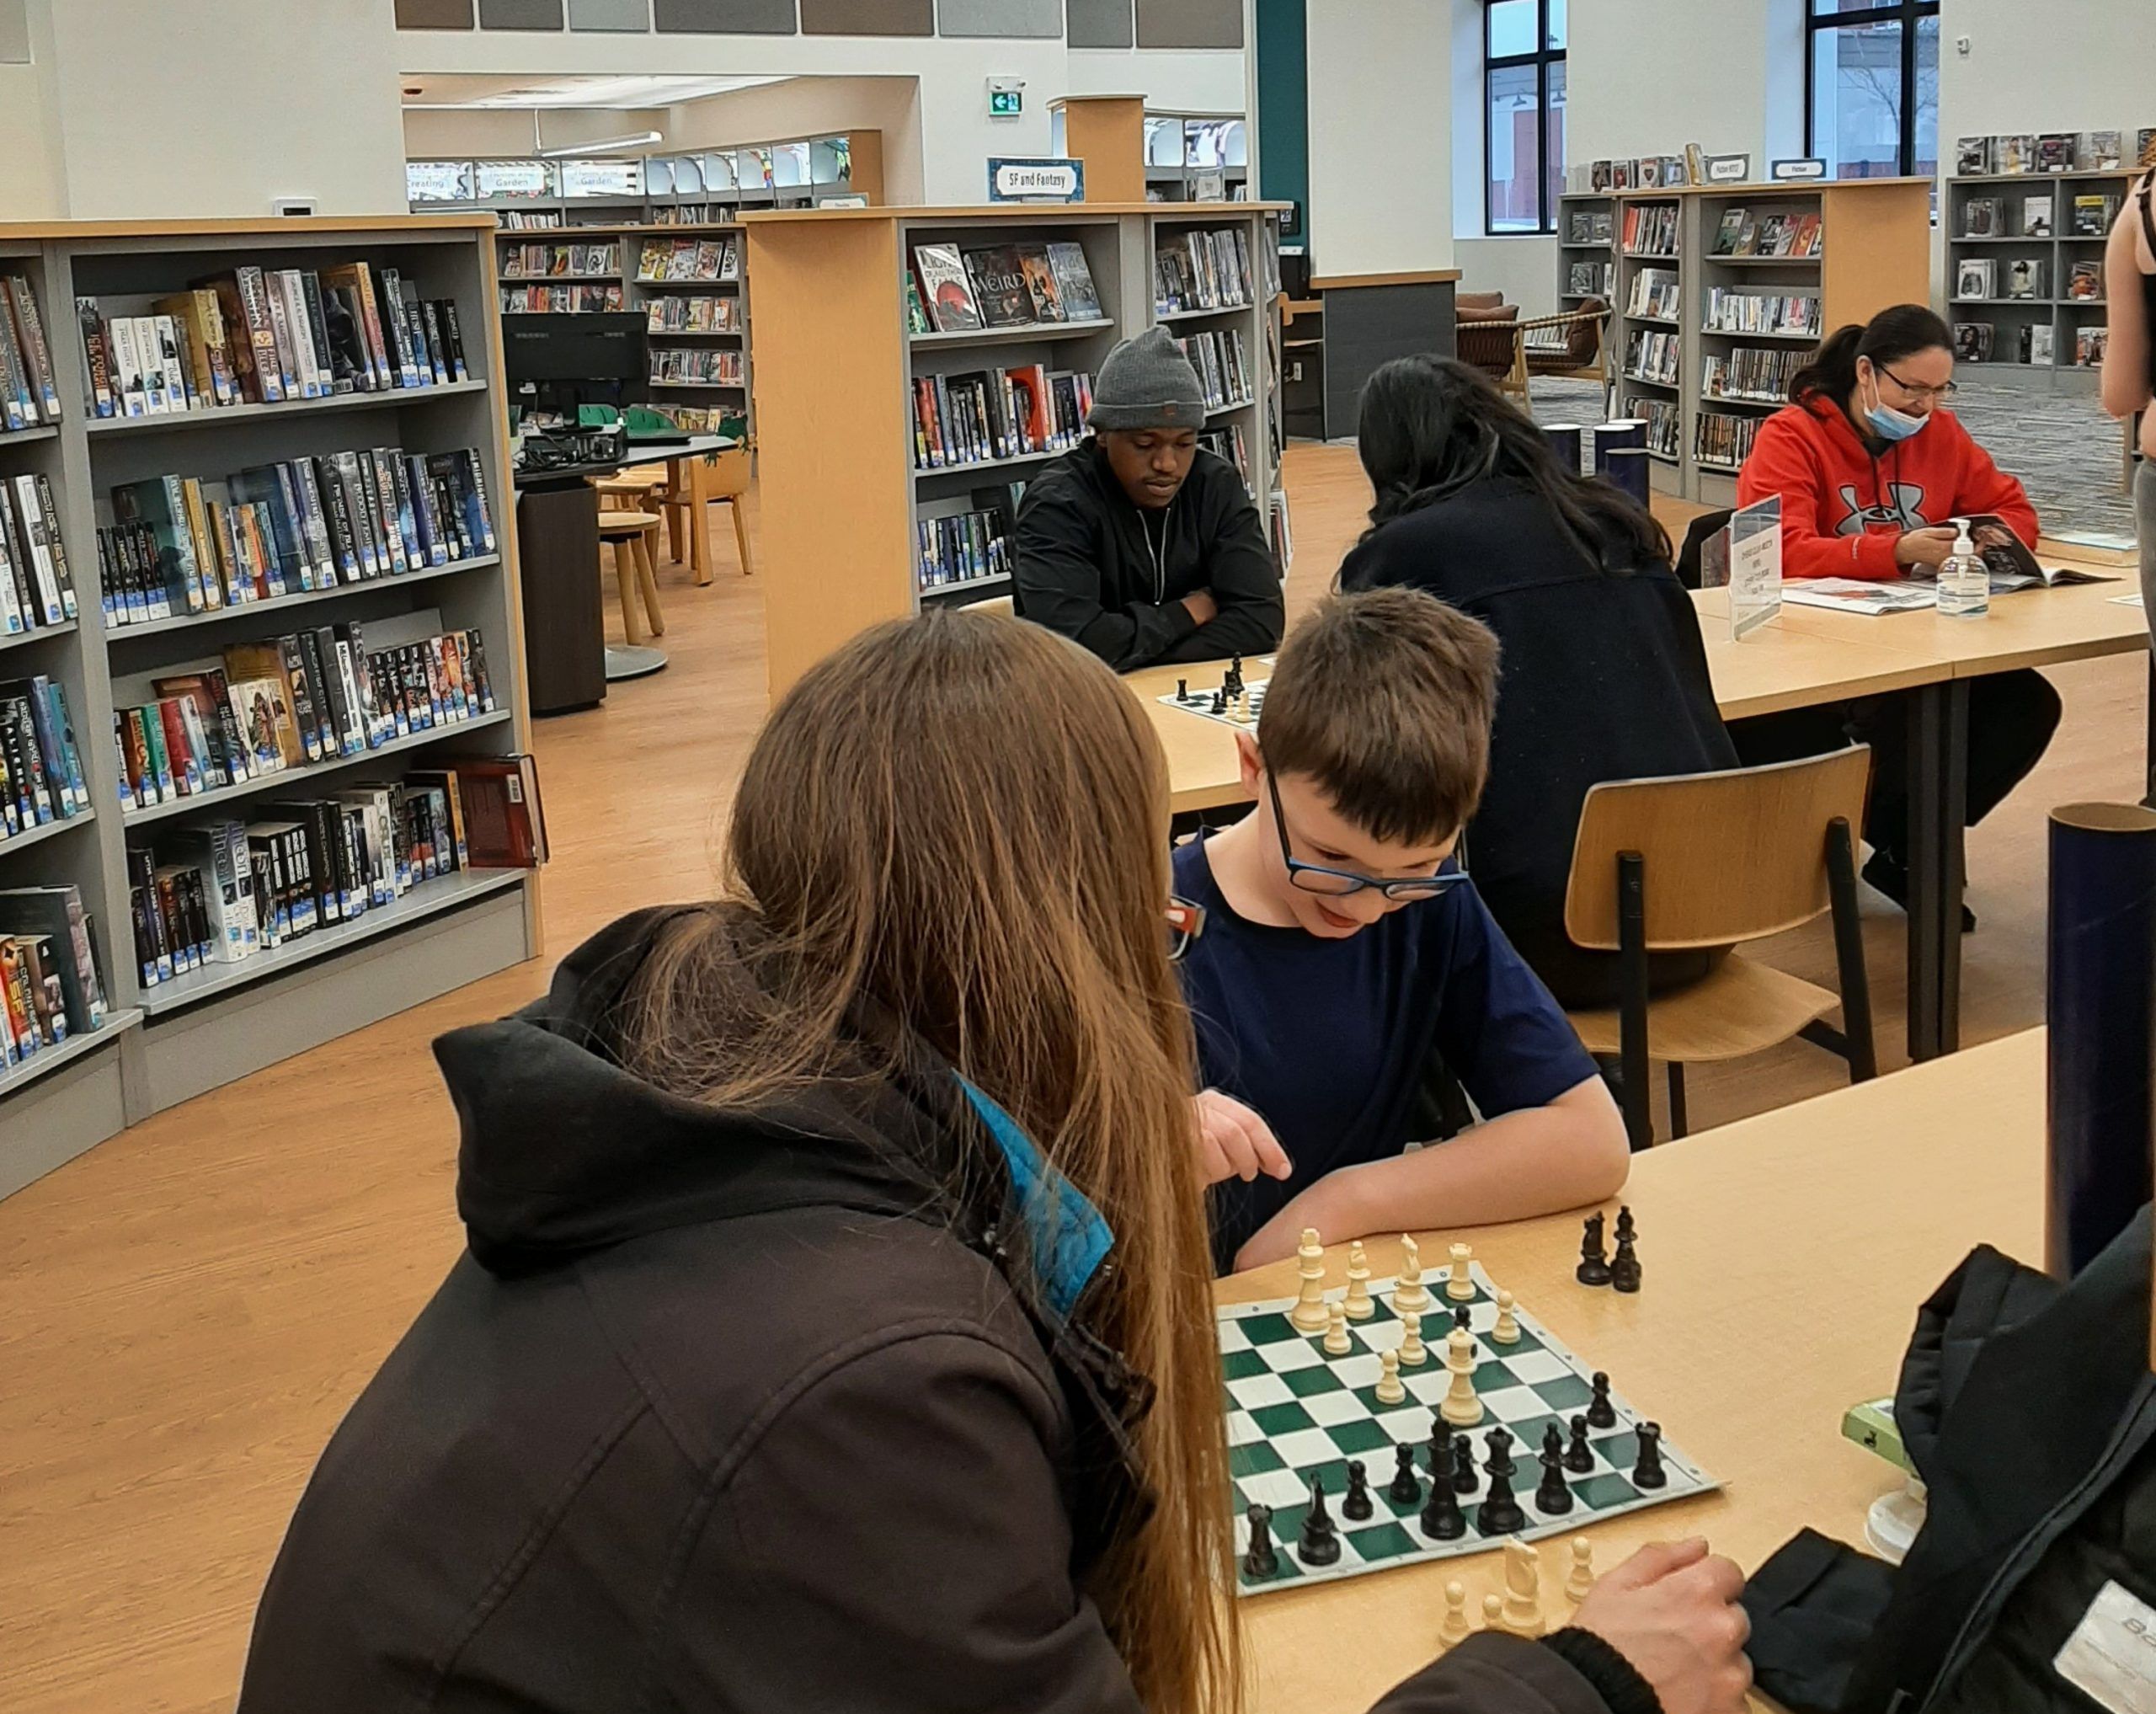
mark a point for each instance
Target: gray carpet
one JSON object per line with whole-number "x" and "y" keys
{"x": 2063, "y": 447}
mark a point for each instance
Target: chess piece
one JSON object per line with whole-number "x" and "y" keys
{"x": 1464, "y": 1478}
{"x": 1442, "y": 1519}
{"x": 1413, "y": 1353}
{"x": 1455, "y": 1629}
{"x": 1182, "y": 690}
{"x": 1262, "y": 1559}
{"x": 1624, "y": 1265}
{"x": 1579, "y": 1456}
{"x": 1500, "y": 1513}
{"x": 1359, "y": 1307}
{"x": 1600, "y": 1412}
{"x": 1461, "y": 1408}
{"x": 1356, "y": 1505}
{"x": 1493, "y": 1613}
{"x": 1407, "y": 1489}
{"x": 1523, "y": 1603}
{"x": 1594, "y": 1264}
{"x": 1407, "y": 1290}
{"x": 1233, "y": 683}
{"x": 1220, "y": 703}
{"x": 1625, "y": 1227}
{"x": 1507, "y": 1331}
{"x": 1583, "y": 1574}
{"x": 1462, "y": 1317}
{"x": 1460, "y": 1287}
{"x": 1389, "y": 1392}
{"x": 1552, "y": 1498}
{"x": 1321, "y": 1542}
{"x": 1337, "y": 1342}
{"x": 1648, "y": 1472}
{"x": 1308, "y": 1316}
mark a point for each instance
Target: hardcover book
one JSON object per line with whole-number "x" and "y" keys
{"x": 1972, "y": 155}
{"x": 1075, "y": 281}
{"x": 999, "y": 287}
{"x": 944, "y": 286}
{"x": 2036, "y": 216}
{"x": 1040, "y": 280}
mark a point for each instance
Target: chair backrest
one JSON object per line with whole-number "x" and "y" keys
{"x": 1477, "y": 300}
{"x": 1000, "y": 605}
{"x": 1729, "y": 856}
{"x": 1696, "y": 536}
{"x": 1587, "y": 333}
{"x": 728, "y": 478}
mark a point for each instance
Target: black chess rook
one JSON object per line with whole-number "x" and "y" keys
{"x": 1262, "y": 1559}
{"x": 1648, "y": 1472}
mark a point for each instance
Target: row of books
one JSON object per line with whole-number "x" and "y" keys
{"x": 2047, "y": 151}
{"x": 1645, "y": 171}
{"x": 559, "y": 261}
{"x": 1655, "y": 294}
{"x": 182, "y": 545}
{"x": 1205, "y": 269}
{"x": 1760, "y": 313}
{"x": 984, "y": 414}
{"x": 535, "y": 220}
{"x": 1223, "y": 368}
{"x": 1592, "y": 280}
{"x": 37, "y": 589}
{"x": 1588, "y": 226}
{"x": 694, "y": 214}
{"x": 42, "y": 778}
{"x": 693, "y": 315}
{"x": 1664, "y": 425}
{"x": 1722, "y": 440}
{"x": 708, "y": 366}
{"x": 2091, "y": 215}
{"x": 961, "y": 546}
{"x": 29, "y": 396}
{"x": 702, "y": 420}
{"x": 561, "y": 300}
{"x": 2037, "y": 343}
{"x": 954, "y": 291}
{"x": 292, "y": 701}
{"x": 1979, "y": 277}
{"x": 1651, "y": 229}
{"x": 228, "y": 890}
{"x": 1742, "y": 233}
{"x": 51, "y": 985}
{"x": 1229, "y": 442}
{"x": 1652, "y": 356}
{"x": 257, "y": 336}
{"x": 1750, "y": 373}
{"x": 689, "y": 259}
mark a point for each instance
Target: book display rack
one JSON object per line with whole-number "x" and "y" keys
{"x": 2024, "y": 273}
{"x": 163, "y": 1041}
{"x": 1721, "y": 290}
{"x": 938, "y": 357}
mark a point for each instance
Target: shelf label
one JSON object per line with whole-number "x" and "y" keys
{"x": 1038, "y": 180}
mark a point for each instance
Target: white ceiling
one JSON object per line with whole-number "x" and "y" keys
{"x": 469, "y": 91}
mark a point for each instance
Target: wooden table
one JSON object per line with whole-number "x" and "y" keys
{"x": 1785, "y": 1257}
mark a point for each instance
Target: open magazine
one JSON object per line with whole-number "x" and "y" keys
{"x": 2011, "y": 564}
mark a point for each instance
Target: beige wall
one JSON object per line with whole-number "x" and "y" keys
{"x": 29, "y": 189}
{"x": 805, "y": 105}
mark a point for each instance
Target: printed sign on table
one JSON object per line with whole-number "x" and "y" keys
{"x": 1755, "y": 566}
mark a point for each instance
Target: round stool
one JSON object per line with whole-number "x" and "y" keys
{"x": 629, "y": 534}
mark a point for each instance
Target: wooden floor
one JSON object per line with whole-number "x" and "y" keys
{"x": 185, "y": 1312}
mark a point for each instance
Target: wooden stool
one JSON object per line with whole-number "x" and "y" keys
{"x": 630, "y": 533}
{"x": 653, "y": 487}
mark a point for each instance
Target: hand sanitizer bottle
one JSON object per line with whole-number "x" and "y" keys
{"x": 1964, "y": 580}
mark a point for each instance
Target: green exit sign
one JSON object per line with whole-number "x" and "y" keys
{"x": 1007, "y": 104}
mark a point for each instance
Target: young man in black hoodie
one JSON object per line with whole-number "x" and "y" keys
{"x": 1136, "y": 544}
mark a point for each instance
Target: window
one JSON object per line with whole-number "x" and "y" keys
{"x": 1871, "y": 87}
{"x": 1522, "y": 114}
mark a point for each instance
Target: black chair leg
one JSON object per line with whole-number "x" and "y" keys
{"x": 1680, "y": 1122}
{"x": 1632, "y": 998}
{"x": 1849, "y": 953}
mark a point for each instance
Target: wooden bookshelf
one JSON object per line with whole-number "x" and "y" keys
{"x": 166, "y": 1044}
{"x": 834, "y": 322}
{"x": 1875, "y": 250}
{"x": 2056, "y": 250}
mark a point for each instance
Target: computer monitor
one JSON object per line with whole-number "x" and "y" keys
{"x": 575, "y": 359}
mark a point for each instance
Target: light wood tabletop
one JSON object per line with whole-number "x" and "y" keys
{"x": 1784, "y": 1259}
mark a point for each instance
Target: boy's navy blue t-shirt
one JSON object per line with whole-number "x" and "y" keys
{"x": 1329, "y": 1039}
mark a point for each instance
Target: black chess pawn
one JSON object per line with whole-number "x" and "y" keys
{"x": 1464, "y": 1478}
{"x": 1463, "y": 1318}
{"x": 1500, "y": 1513}
{"x": 1262, "y": 1561}
{"x": 1594, "y": 1264}
{"x": 1553, "y": 1497}
{"x": 1220, "y": 703}
{"x": 1579, "y": 1456}
{"x": 1321, "y": 1542}
{"x": 1443, "y": 1520}
{"x": 1648, "y": 1472}
{"x": 1407, "y": 1489}
{"x": 1355, "y": 1505}
{"x": 1600, "y": 1412}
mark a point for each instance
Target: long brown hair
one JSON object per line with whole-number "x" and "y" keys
{"x": 963, "y": 819}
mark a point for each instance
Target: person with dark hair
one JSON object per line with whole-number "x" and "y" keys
{"x": 2130, "y": 353}
{"x": 1605, "y": 676}
{"x": 1872, "y": 467}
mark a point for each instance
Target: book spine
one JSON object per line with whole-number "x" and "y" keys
{"x": 15, "y": 618}
{"x": 127, "y": 368}
{"x": 63, "y": 734}
{"x": 306, "y": 714}
{"x": 30, "y": 336}
{"x": 317, "y": 326}
{"x": 430, "y": 327}
{"x": 97, "y": 359}
{"x": 255, "y": 308}
{"x": 322, "y": 553}
{"x": 18, "y": 402}
{"x": 460, "y": 368}
{"x": 31, "y": 515}
{"x": 291, "y": 361}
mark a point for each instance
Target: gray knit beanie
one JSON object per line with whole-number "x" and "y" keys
{"x": 1147, "y": 383}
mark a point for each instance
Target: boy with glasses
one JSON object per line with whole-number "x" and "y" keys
{"x": 1345, "y": 950}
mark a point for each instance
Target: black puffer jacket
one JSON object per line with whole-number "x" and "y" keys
{"x": 734, "y": 1411}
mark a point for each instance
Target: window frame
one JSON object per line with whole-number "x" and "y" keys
{"x": 1542, "y": 58}
{"x": 1906, "y": 13}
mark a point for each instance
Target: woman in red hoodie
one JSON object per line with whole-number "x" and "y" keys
{"x": 1870, "y": 467}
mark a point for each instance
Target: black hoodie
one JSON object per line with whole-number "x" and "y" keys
{"x": 731, "y": 1409}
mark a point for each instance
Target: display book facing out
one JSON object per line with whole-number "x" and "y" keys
{"x": 349, "y": 532}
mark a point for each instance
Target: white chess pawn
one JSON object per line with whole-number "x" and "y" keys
{"x": 1359, "y": 1306}
{"x": 1407, "y": 1290}
{"x": 1390, "y": 1391}
{"x": 1582, "y": 1579}
{"x": 1507, "y": 1331}
{"x": 1523, "y": 1603}
{"x": 1413, "y": 1353}
{"x": 1461, "y": 1407}
{"x": 1460, "y": 1287}
{"x": 1337, "y": 1342}
{"x": 1455, "y": 1629}
{"x": 1493, "y": 1613}
{"x": 1308, "y": 1316}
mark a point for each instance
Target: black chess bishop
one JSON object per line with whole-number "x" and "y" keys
{"x": 1320, "y": 1539}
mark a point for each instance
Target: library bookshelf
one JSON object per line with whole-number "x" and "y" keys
{"x": 842, "y": 501}
{"x": 2003, "y": 221}
{"x": 165, "y": 1044}
{"x": 1875, "y": 248}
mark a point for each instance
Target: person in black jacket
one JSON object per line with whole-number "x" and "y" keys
{"x": 793, "y": 1362}
{"x": 1605, "y": 676}
{"x": 1138, "y": 544}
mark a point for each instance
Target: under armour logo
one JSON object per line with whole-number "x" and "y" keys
{"x": 1906, "y": 513}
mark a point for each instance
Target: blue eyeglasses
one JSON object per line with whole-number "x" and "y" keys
{"x": 1338, "y": 883}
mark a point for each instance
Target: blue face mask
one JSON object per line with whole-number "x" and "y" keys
{"x": 1891, "y": 425}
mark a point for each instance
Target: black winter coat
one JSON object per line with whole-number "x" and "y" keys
{"x": 1090, "y": 565}
{"x": 737, "y": 1411}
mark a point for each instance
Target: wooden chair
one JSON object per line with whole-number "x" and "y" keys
{"x": 1003, "y": 605}
{"x": 1573, "y": 346}
{"x": 721, "y": 476}
{"x": 1714, "y": 860}
{"x": 631, "y": 534}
